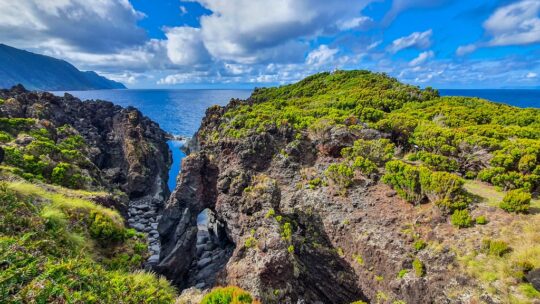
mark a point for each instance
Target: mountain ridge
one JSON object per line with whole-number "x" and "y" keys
{"x": 45, "y": 73}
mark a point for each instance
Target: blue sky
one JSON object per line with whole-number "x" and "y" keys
{"x": 248, "y": 43}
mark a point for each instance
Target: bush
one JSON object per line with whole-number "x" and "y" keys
{"x": 481, "y": 220}
{"x": 341, "y": 174}
{"x": 461, "y": 219}
{"x": 365, "y": 166}
{"x": 104, "y": 229}
{"x": 228, "y": 295}
{"x": 418, "y": 267}
{"x": 405, "y": 179}
{"x": 517, "y": 201}
{"x": 436, "y": 161}
{"x": 378, "y": 151}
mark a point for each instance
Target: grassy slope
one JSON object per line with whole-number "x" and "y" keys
{"x": 57, "y": 245}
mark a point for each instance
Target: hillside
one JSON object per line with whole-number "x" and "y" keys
{"x": 39, "y": 72}
{"x": 350, "y": 186}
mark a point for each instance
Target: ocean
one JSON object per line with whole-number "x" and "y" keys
{"x": 180, "y": 112}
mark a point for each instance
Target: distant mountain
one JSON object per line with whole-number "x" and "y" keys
{"x": 39, "y": 72}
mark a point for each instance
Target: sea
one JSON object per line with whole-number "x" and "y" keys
{"x": 180, "y": 112}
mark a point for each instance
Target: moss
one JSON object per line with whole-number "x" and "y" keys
{"x": 250, "y": 242}
{"x": 402, "y": 273}
{"x": 270, "y": 213}
{"x": 419, "y": 245}
{"x": 290, "y": 249}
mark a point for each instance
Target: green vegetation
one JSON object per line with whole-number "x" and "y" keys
{"x": 55, "y": 156}
{"x": 228, "y": 295}
{"x": 57, "y": 246}
{"x": 402, "y": 273}
{"x": 418, "y": 267}
{"x": 517, "y": 201}
{"x": 341, "y": 175}
{"x": 495, "y": 247}
{"x": 419, "y": 245}
{"x": 481, "y": 220}
{"x": 461, "y": 219}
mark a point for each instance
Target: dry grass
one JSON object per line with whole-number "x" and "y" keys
{"x": 502, "y": 277}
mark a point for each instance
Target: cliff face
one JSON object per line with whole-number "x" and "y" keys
{"x": 121, "y": 150}
{"x": 290, "y": 243}
{"x": 283, "y": 195}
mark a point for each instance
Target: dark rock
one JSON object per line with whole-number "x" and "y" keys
{"x": 533, "y": 277}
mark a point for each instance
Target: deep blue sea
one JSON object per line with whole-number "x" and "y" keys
{"x": 179, "y": 112}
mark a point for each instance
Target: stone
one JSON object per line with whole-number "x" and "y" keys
{"x": 154, "y": 259}
{"x": 533, "y": 277}
{"x": 138, "y": 226}
{"x": 204, "y": 262}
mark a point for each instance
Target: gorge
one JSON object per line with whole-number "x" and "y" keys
{"x": 344, "y": 187}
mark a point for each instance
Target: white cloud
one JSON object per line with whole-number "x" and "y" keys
{"x": 466, "y": 49}
{"x": 531, "y": 75}
{"x": 320, "y": 56}
{"x": 93, "y": 26}
{"x": 361, "y": 22}
{"x": 422, "y": 57}
{"x": 515, "y": 24}
{"x": 401, "y": 5}
{"x": 185, "y": 46}
{"x": 420, "y": 40}
{"x": 249, "y": 31}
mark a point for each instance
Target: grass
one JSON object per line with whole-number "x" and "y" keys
{"x": 502, "y": 275}
{"x": 65, "y": 199}
{"x": 491, "y": 196}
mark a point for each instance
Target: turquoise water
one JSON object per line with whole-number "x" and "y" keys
{"x": 179, "y": 112}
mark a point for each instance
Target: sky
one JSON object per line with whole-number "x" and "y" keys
{"x": 253, "y": 43}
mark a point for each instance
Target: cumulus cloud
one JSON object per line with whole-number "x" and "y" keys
{"x": 531, "y": 75}
{"x": 93, "y": 26}
{"x": 422, "y": 57}
{"x": 248, "y": 31}
{"x": 515, "y": 24}
{"x": 420, "y": 40}
{"x": 185, "y": 46}
{"x": 322, "y": 55}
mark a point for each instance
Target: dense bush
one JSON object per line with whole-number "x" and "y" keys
{"x": 415, "y": 184}
{"x": 228, "y": 295}
{"x": 377, "y": 151}
{"x": 517, "y": 201}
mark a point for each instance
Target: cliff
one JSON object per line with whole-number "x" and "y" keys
{"x": 39, "y": 72}
{"x": 351, "y": 186}
{"x": 73, "y": 175}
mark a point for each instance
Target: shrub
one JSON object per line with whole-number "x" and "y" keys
{"x": 419, "y": 245}
{"x": 104, "y": 229}
{"x": 405, "y": 179}
{"x": 495, "y": 248}
{"x": 418, "y": 267}
{"x": 481, "y": 220}
{"x": 228, "y": 295}
{"x": 517, "y": 201}
{"x": 341, "y": 174}
{"x": 315, "y": 183}
{"x": 378, "y": 151}
{"x": 436, "y": 161}
{"x": 365, "y": 166}
{"x": 461, "y": 219}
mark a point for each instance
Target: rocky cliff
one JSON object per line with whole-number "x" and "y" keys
{"x": 103, "y": 147}
{"x": 267, "y": 200}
